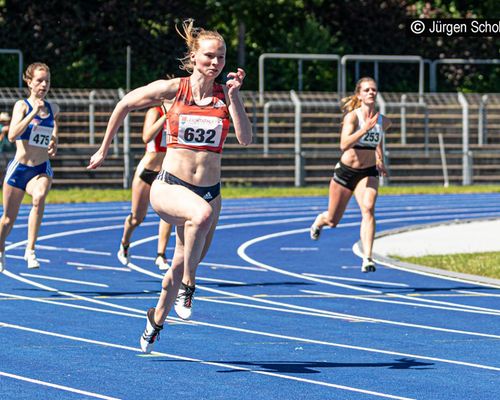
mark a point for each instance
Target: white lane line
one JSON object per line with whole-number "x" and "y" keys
{"x": 299, "y": 248}
{"x": 340, "y": 278}
{"x": 74, "y": 221}
{"x": 56, "y": 386}
{"x": 315, "y": 310}
{"x": 399, "y": 302}
{"x": 93, "y": 266}
{"x": 211, "y": 363}
{"x": 220, "y": 281}
{"x": 44, "y": 260}
{"x": 268, "y": 334}
{"x": 64, "y": 303}
{"x": 207, "y": 264}
{"x": 73, "y": 250}
{"x": 76, "y": 232}
{"x": 53, "y": 278}
{"x": 280, "y": 309}
{"x": 351, "y": 347}
{"x": 242, "y": 253}
{"x": 69, "y": 294}
{"x": 226, "y": 266}
{"x": 478, "y": 293}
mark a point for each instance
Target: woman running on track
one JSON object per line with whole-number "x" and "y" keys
{"x": 34, "y": 129}
{"x": 359, "y": 167}
{"x": 153, "y": 134}
{"x": 187, "y": 190}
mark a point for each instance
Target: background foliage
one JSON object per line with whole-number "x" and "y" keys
{"x": 84, "y": 41}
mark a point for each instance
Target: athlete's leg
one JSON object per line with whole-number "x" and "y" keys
{"x": 171, "y": 280}
{"x": 12, "y": 198}
{"x": 138, "y": 210}
{"x": 180, "y": 206}
{"x": 37, "y": 188}
{"x": 164, "y": 232}
{"x": 338, "y": 199}
{"x": 366, "y": 195}
{"x": 190, "y": 275}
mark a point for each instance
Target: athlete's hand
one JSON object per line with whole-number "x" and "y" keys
{"x": 52, "y": 149}
{"x": 96, "y": 160}
{"x": 38, "y": 104}
{"x": 381, "y": 168}
{"x": 235, "y": 81}
{"x": 371, "y": 122}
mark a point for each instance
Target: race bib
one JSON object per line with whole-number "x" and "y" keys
{"x": 200, "y": 130}
{"x": 40, "y": 136}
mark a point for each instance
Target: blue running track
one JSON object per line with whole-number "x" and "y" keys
{"x": 276, "y": 316}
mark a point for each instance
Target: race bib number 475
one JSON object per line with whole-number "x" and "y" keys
{"x": 200, "y": 130}
{"x": 40, "y": 136}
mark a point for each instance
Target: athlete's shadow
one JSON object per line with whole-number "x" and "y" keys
{"x": 256, "y": 284}
{"x": 314, "y": 367}
{"x": 94, "y": 293}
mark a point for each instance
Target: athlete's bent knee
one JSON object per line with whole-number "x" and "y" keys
{"x": 202, "y": 219}
{"x": 134, "y": 221}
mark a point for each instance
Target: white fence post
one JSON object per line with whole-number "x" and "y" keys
{"x": 466, "y": 156}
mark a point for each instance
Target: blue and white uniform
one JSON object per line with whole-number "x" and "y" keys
{"x": 38, "y": 134}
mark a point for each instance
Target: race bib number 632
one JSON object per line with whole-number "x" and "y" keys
{"x": 200, "y": 130}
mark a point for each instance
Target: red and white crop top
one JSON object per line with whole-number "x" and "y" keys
{"x": 195, "y": 127}
{"x": 159, "y": 143}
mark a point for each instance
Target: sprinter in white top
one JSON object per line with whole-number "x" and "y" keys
{"x": 359, "y": 167}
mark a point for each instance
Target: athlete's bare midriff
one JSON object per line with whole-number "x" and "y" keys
{"x": 359, "y": 158}
{"x": 200, "y": 168}
{"x": 30, "y": 155}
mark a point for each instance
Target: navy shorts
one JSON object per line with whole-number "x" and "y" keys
{"x": 207, "y": 193}
{"x": 18, "y": 175}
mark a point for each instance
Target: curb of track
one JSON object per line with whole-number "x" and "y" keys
{"x": 421, "y": 268}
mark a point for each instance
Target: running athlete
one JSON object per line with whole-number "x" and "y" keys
{"x": 153, "y": 134}
{"x": 187, "y": 190}
{"x": 359, "y": 167}
{"x": 34, "y": 129}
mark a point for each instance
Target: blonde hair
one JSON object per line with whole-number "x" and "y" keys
{"x": 192, "y": 36}
{"x": 30, "y": 71}
{"x": 352, "y": 102}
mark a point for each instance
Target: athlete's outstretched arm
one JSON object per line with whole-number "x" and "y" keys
{"x": 142, "y": 97}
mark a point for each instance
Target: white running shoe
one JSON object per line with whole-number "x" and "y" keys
{"x": 123, "y": 254}
{"x": 184, "y": 301}
{"x": 151, "y": 332}
{"x": 161, "y": 263}
{"x": 30, "y": 258}
{"x": 368, "y": 265}
{"x": 2, "y": 261}
{"x": 314, "y": 232}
